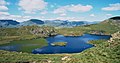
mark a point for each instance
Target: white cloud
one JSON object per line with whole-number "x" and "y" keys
{"x": 112, "y": 7}
{"x": 65, "y": 18}
{"x": 70, "y": 18}
{"x": 14, "y": 17}
{"x": 3, "y": 2}
{"x": 92, "y": 15}
{"x": 63, "y": 14}
{"x": 42, "y": 17}
{"x": 73, "y": 8}
{"x": 20, "y": 18}
{"x": 31, "y": 6}
{"x": 3, "y": 8}
{"x": 108, "y": 14}
{"x": 4, "y": 13}
{"x": 80, "y": 8}
{"x": 60, "y": 10}
{"x": 44, "y": 12}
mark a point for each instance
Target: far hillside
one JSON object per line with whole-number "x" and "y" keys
{"x": 106, "y": 27}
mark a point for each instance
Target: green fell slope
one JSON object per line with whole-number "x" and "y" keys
{"x": 105, "y": 51}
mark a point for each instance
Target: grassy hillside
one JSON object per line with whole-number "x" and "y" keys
{"x": 27, "y": 30}
{"x": 106, "y": 27}
{"x": 25, "y": 33}
{"x": 28, "y": 45}
{"x": 103, "y": 52}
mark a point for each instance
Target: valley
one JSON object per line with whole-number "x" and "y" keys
{"x": 103, "y": 50}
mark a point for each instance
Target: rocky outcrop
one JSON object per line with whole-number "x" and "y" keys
{"x": 43, "y": 32}
{"x": 37, "y": 31}
{"x": 115, "y": 36}
{"x": 97, "y": 32}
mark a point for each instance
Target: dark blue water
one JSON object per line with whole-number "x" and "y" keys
{"x": 74, "y": 44}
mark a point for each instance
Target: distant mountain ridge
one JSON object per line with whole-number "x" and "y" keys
{"x": 63, "y": 23}
{"x": 54, "y": 23}
{"x": 8, "y": 23}
{"x": 32, "y": 22}
{"x": 66, "y": 23}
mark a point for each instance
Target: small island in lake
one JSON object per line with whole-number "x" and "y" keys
{"x": 59, "y": 43}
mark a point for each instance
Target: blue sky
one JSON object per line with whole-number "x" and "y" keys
{"x": 74, "y": 10}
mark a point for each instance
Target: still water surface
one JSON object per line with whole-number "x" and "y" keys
{"x": 74, "y": 44}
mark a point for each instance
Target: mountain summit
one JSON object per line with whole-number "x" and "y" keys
{"x": 116, "y": 18}
{"x": 8, "y": 23}
{"x": 32, "y": 22}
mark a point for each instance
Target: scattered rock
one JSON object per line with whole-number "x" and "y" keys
{"x": 64, "y": 58}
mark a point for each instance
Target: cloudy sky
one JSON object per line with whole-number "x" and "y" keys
{"x": 87, "y": 10}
